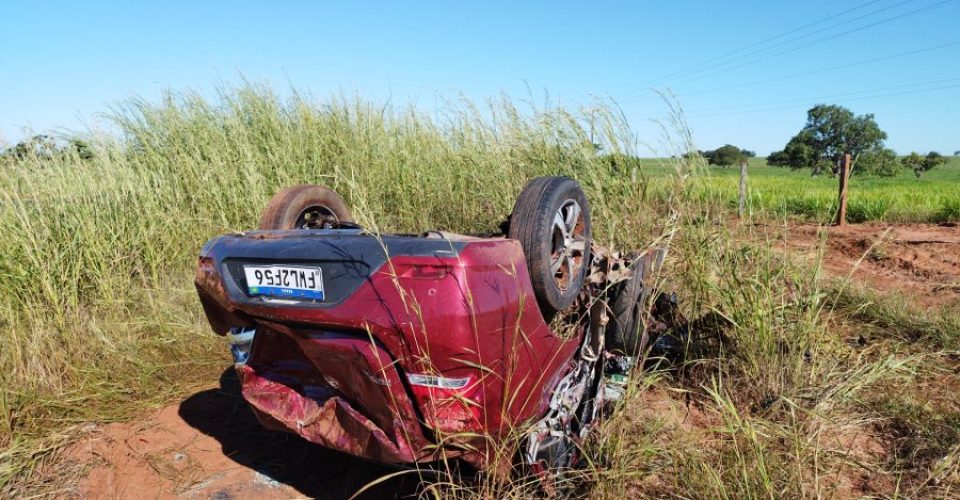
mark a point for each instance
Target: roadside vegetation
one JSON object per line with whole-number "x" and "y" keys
{"x": 99, "y": 320}
{"x": 795, "y": 194}
{"x": 884, "y": 187}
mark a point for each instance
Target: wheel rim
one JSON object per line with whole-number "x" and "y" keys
{"x": 569, "y": 243}
{"x": 315, "y": 217}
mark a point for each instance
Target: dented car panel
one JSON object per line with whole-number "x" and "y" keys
{"x": 420, "y": 347}
{"x": 335, "y": 389}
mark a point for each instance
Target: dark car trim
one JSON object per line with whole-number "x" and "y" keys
{"x": 347, "y": 258}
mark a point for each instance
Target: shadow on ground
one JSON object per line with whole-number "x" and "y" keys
{"x": 312, "y": 470}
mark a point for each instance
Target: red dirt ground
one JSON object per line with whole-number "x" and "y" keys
{"x": 919, "y": 261}
{"x": 211, "y": 446}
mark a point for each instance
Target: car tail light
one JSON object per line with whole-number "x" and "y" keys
{"x": 241, "y": 342}
{"x": 438, "y": 382}
{"x": 449, "y": 404}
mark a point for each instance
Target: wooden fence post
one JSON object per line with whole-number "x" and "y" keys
{"x": 844, "y": 180}
{"x": 742, "y": 205}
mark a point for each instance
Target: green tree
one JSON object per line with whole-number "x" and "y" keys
{"x": 45, "y": 147}
{"x": 879, "y": 161}
{"x": 725, "y": 155}
{"x": 800, "y": 153}
{"x": 778, "y": 159}
{"x": 920, "y": 164}
{"x": 831, "y": 132}
{"x": 41, "y": 146}
{"x": 81, "y": 148}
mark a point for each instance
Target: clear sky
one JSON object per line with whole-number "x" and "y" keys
{"x": 745, "y": 72}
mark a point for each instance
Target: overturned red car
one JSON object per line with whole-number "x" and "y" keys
{"x": 408, "y": 349}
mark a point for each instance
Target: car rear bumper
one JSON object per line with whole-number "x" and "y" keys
{"x": 336, "y": 390}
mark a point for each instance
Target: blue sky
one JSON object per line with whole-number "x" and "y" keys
{"x": 62, "y": 63}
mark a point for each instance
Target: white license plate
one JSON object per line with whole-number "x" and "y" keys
{"x": 285, "y": 281}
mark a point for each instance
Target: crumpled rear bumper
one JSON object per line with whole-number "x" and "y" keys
{"x": 339, "y": 391}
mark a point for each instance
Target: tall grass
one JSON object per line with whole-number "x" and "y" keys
{"x": 98, "y": 309}
{"x": 98, "y": 316}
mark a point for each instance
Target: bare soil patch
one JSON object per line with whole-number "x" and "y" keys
{"x": 211, "y": 446}
{"x": 919, "y": 261}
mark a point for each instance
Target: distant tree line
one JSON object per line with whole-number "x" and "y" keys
{"x": 45, "y": 147}
{"x": 724, "y": 156}
{"x": 831, "y": 132}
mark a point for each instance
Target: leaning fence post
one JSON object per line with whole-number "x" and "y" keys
{"x": 742, "y": 205}
{"x": 844, "y": 180}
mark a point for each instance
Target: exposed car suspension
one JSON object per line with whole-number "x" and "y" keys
{"x": 554, "y": 441}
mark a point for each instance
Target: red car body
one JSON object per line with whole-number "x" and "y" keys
{"x": 423, "y": 348}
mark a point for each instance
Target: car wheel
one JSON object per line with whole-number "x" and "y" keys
{"x": 551, "y": 220}
{"x": 626, "y": 332}
{"x": 307, "y": 206}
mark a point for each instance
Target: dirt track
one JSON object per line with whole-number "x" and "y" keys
{"x": 919, "y": 261}
{"x": 211, "y": 446}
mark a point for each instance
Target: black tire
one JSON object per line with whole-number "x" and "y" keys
{"x": 558, "y": 257}
{"x": 630, "y": 307}
{"x": 305, "y": 206}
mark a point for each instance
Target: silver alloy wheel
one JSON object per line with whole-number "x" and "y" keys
{"x": 569, "y": 243}
{"x": 551, "y": 221}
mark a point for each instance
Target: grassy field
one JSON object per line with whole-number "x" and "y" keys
{"x": 99, "y": 321}
{"x": 780, "y": 192}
